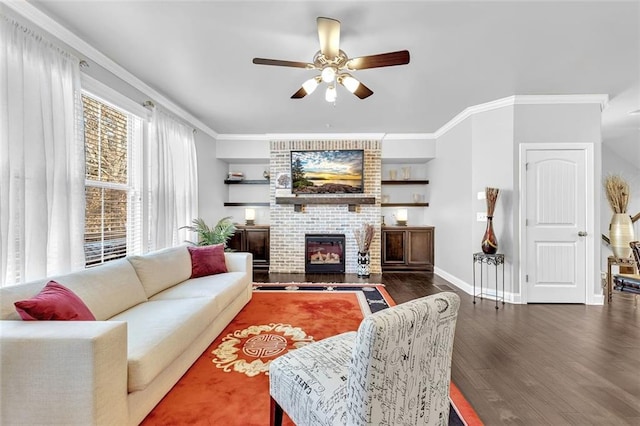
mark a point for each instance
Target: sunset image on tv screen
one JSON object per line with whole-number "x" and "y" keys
{"x": 322, "y": 172}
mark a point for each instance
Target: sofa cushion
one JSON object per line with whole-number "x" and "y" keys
{"x": 54, "y": 302}
{"x": 207, "y": 260}
{"x": 107, "y": 290}
{"x": 223, "y": 288}
{"x": 160, "y": 331}
{"x": 162, "y": 269}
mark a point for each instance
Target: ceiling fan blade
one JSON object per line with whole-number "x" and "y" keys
{"x": 301, "y": 93}
{"x": 400, "y": 57}
{"x": 329, "y": 36}
{"x": 363, "y": 91}
{"x": 279, "y": 63}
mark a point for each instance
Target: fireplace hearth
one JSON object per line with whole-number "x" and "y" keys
{"x": 324, "y": 253}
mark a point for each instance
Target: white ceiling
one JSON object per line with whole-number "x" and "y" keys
{"x": 198, "y": 54}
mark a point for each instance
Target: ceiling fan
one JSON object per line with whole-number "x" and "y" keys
{"x": 334, "y": 65}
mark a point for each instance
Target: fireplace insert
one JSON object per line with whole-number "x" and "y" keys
{"x": 324, "y": 253}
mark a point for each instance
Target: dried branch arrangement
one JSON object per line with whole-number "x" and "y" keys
{"x": 492, "y": 197}
{"x": 617, "y": 190}
{"x": 363, "y": 236}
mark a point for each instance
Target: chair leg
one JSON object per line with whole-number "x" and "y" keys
{"x": 276, "y": 413}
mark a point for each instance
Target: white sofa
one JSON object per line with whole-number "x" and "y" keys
{"x": 153, "y": 322}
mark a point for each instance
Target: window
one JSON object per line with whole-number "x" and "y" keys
{"x": 113, "y": 211}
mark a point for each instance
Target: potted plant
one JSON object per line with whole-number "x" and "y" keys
{"x": 219, "y": 234}
{"x": 621, "y": 228}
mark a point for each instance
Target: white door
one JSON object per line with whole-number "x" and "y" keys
{"x": 556, "y": 226}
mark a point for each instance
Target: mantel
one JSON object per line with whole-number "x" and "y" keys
{"x": 352, "y": 202}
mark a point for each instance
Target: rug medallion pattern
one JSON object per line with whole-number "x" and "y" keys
{"x": 257, "y": 343}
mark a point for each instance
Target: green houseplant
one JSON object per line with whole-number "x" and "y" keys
{"x": 219, "y": 234}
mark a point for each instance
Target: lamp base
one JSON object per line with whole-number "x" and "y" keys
{"x": 401, "y": 222}
{"x": 250, "y": 222}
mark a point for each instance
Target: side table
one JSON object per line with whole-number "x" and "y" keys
{"x": 488, "y": 259}
{"x": 620, "y": 261}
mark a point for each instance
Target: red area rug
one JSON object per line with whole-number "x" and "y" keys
{"x": 228, "y": 384}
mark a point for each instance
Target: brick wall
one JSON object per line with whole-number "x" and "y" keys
{"x": 289, "y": 227}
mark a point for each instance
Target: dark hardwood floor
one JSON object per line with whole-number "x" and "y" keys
{"x": 532, "y": 364}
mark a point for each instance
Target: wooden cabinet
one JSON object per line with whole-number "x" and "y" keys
{"x": 255, "y": 240}
{"x": 407, "y": 248}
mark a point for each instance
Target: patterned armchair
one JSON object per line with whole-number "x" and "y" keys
{"x": 395, "y": 370}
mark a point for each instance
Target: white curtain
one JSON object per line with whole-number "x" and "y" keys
{"x": 41, "y": 157}
{"x": 173, "y": 180}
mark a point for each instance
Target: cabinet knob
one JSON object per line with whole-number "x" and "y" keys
{"x": 582, "y": 234}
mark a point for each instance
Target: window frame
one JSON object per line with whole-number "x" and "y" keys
{"x": 137, "y": 118}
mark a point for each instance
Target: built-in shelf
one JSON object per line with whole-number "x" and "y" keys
{"x": 405, "y": 182}
{"x": 405, "y": 205}
{"x": 352, "y": 202}
{"x": 246, "y": 182}
{"x": 257, "y": 204}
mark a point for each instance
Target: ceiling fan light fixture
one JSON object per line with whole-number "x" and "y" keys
{"x": 328, "y": 74}
{"x": 350, "y": 83}
{"x": 310, "y": 85}
{"x": 331, "y": 94}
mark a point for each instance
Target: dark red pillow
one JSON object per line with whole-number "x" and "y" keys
{"x": 207, "y": 260}
{"x": 54, "y": 302}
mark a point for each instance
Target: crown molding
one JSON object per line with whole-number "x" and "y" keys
{"x": 51, "y": 26}
{"x": 242, "y": 137}
{"x": 324, "y": 136}
{"x": 408, "y": 136}
{"x": 602, "y": 100}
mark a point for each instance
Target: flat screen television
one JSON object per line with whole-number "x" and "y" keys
{"x": 327, "y": 171}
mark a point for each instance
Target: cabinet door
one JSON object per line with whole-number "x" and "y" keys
{"x": 235, "y": 242}
{"x": 257, "y": 243}
{"x": 393, "y": 247}
{"x": 420, "y": 248}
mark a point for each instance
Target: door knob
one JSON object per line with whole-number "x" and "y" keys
{"x": 582, "y": 234}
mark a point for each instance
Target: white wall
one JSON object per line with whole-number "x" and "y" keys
{"x": 569, "y": 123}
{"x": 211, "y": 174}
{"x": 450, "y": 205}
{"x": 494, "y": 165}
{"x": 483, "y": 150}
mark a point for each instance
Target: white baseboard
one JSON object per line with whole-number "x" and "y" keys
{"x": 468, "y": 288}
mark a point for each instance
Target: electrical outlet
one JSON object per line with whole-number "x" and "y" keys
{"x": 482, "y": 195}
{"x": 481, "y": 216}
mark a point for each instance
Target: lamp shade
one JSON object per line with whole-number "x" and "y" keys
{"x": 350, "y": 83}
{"x": 310, "y": 85}
{"x": 401, "y": 215}
{"x": 331, "y": 94}
{"x": 249, "y": 214}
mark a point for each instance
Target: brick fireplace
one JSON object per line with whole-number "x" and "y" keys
{"x": 289, "y": 228}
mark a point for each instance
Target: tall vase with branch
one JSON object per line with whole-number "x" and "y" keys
{"x": 621, "y": 231}
{"x": 489, "y": 240}
{"x": 364, "y": 236}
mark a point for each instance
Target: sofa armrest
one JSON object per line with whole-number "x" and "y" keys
{"x": 239, "y": 261}
{"x": 63, "y": 372}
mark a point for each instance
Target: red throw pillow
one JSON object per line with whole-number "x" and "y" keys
{"x": 207, "y": 260}
{"x": 54, "y": 302}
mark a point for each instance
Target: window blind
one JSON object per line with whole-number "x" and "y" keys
{"x": 112, "y": 182}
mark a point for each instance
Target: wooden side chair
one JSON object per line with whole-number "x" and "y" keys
{"x": 395, "y": 370}
{"x": 630, "y": 282}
